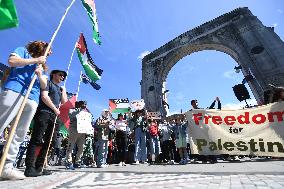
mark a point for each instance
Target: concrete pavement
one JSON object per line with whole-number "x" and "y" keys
{"x": 244, "y": 174}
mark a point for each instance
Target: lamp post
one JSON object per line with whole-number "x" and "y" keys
{"x": 164, "y": 111}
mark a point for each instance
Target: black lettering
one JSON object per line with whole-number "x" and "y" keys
{"x": 241, "y": 146}
{"x": 200, "y": 143}
{"x": 252, "y": 145}
{"x": 229, "y": 146}
{"x": 279, "y": 146}
{"x": 212, "y": 146}
{"x": 261, "y": 145}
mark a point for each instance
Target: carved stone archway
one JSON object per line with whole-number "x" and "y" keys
{"x": 240, "y": 34}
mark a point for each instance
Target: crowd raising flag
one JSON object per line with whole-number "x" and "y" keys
{"x": 87, "y": 80}
{"x": 8, "y": 14}
{"x": 91, "y": 70}
{"x": 90, "y": 7}
{"x": 119, "y": 105}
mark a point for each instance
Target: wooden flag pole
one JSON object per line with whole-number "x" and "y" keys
{"x": 13, "y": 128}
{"x": 55, "y": 120}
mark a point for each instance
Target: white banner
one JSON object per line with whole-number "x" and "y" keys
{"x": 137, "y": 104}
{"x": 84, "y": 123}
{"x": 255, "y": 131}
{"x": 154, "y": 115}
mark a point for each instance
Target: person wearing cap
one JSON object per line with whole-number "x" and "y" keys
{"x": 24, "y": 63}
{"x": 50, "y": 99}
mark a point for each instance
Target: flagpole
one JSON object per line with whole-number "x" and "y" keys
{"x": 70, "y": 64}
{"x": 13, "y": 128}
{"x": 77, "y": 93}
{"x": 55, "y": 120}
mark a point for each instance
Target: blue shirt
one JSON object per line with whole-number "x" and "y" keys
{"x": 21, "y": 77}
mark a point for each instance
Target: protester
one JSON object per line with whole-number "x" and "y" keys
{"x": 140, "y": 128}
{"x": 167, "y": 143}
{"x": 121, "y": 139}
{"x": 24, "y": 63}
{"x": 154, "y": 140}
{"x": 44, "y": 123}
{"x": 103, "y": 125}
{"x": 75, "y": 138}
{"x": 180, "y": 139}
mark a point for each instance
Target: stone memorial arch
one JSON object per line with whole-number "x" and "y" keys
{"x": 256, "y": 48}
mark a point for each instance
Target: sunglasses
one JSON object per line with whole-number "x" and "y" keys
{"x": 61, "y": 75}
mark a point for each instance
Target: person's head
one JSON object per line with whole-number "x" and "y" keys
{"x": 178, "y": 121}
{"x": 282, "y": 95}
{"x": 37, "y": 48}
{"x": 278, "y": 95}
{"x": 120, "y": 117}
{"x": 81, "y": 104}
{"x": 57, "y": 75}
{"x": 138, "y": 113}
{"x": 105, "y": 113}
{"x": 194, "y": 104}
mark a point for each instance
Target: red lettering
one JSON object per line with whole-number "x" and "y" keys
{"x": 197, "y": 117}
{"x": 230, "y": 120}
{"x": 261, "y": 116}
{"x": 206, "y": 118}
{"x": 217, "y": 120}
{"x": 246, "y": 118}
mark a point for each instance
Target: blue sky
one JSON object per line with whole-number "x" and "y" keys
{"x": 129, "y": 28}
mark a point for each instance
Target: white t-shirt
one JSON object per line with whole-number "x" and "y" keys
{"x": 121, "y": 125}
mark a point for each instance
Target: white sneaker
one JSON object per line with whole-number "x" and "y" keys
{"x": 11, "y": 173}
{"x": 102, "y": 166}
{"x": 171, "y": 162}
{"x": 237, "y": 158}
{"x": 123, "y": 164}
{"x": 136, "y": 163}
{"x": 120, "y": 164}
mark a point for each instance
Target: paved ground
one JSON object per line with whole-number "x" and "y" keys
{"x": 245, "y": 174}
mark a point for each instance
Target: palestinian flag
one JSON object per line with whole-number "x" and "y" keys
{"x": 92, "y": 71}
{"x": 87, "y": 80}
{"x": 64, "y": 110}
{"x": 119, "y": 105}
{"x": 89, "y": 5}
{"x": 8, "y": 14}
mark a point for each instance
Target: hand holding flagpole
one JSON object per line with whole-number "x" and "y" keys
{"x": 13, "y": 128}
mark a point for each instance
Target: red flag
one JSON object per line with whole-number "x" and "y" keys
{"x": 81, "y": 44}
{"x": 64, "y": 109}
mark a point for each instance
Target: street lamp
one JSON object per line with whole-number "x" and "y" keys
{"x": 238, "y": 68}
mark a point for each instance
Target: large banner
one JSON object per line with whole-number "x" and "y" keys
{"x": 255, "y": 131}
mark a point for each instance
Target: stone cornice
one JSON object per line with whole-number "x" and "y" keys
{"x": 198, "y": 31}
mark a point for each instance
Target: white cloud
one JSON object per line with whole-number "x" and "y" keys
{"x": 280, "y": 11}
{"x": 275, "y": 25}
{"x": 240, "y": 105}
{"x": 143, "y": 54}
{"x": 231, "y": 74}
{"x": 174, "y": 112}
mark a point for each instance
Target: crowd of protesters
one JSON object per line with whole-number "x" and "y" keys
{"x": 131, "y": 138}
